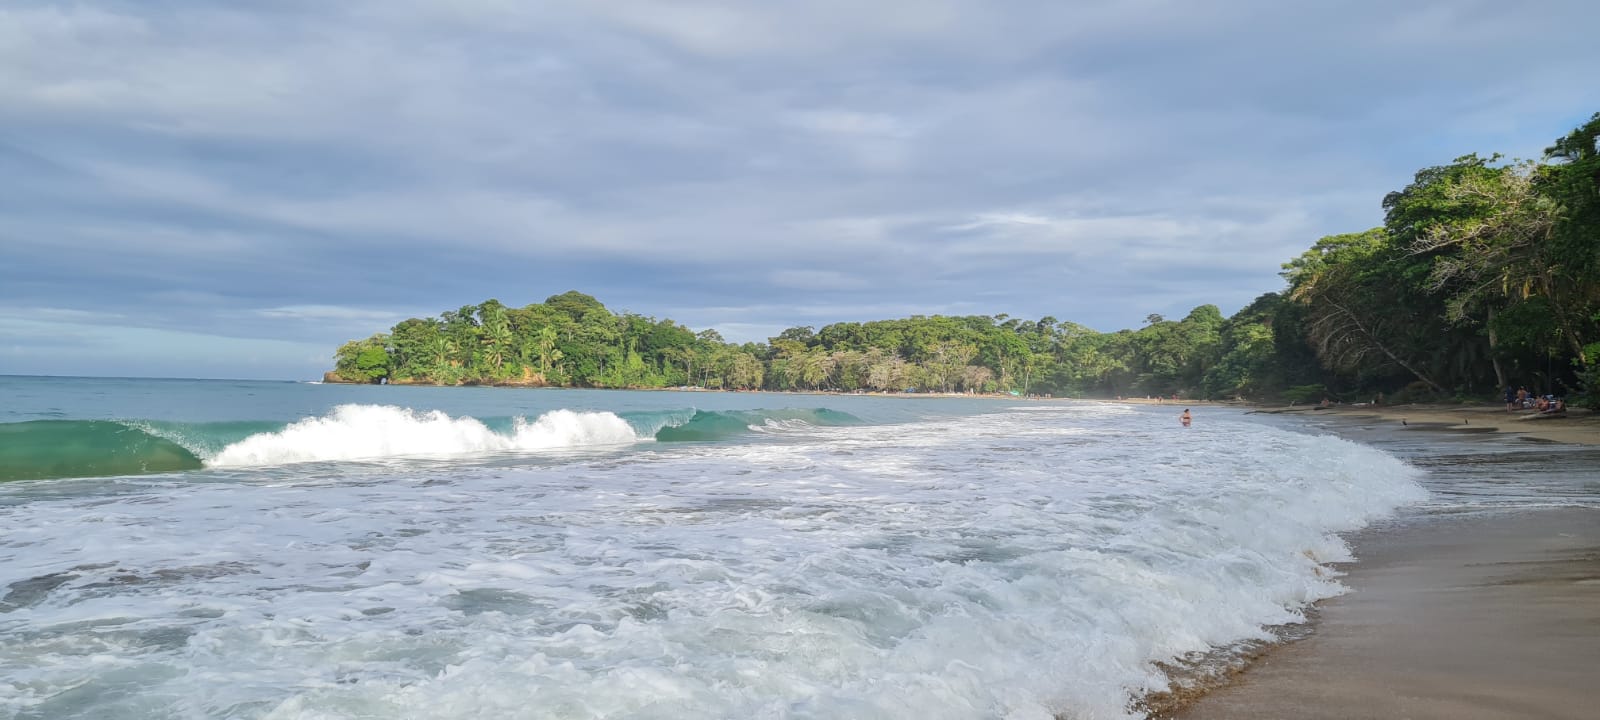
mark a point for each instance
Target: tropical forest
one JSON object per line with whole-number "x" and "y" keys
{"x": 1484, "y": 274}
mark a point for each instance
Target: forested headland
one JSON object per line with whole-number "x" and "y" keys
{"x": 1485, "y": 273}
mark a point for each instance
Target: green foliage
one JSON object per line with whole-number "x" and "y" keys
{"x": 364, "y": 361}
{"x": 1246, "y": 367}
{"x": 1588, "y": 376}
{"x": 1416, "y": 392}
{"x": 1302, "y": 394}
{"x": 1484, "y": 273}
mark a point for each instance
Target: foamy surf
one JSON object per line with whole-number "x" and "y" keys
{"x": 367, "y": 432}
{"x": 1031, "y": 564}
{"x": 58, "y": 448}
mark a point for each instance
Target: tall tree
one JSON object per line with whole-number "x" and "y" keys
{"x": 1352, "y": 316}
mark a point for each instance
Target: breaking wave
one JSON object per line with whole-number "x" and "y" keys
{"x": 43, "y": 449}
{"x": 364, "y": 432}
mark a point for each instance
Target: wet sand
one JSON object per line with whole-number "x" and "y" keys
{"x": 1466, "y": 617}
{"x": 1576, "y": 426}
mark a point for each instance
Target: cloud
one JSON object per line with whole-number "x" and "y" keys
{"x": 329, "y": 312}
{"x": 816, "y": 280}
{"x": 306, "y": 172}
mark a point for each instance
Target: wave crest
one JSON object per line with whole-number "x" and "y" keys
{"x": 40, "y": 449}
{"x": 366, "y": 432}
{"x": 709, "y": 425}
{"x": 44, "y": 449}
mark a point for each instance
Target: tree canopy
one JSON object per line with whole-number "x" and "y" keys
{"x": 1484, "y": 273}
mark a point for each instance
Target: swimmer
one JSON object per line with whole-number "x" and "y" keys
{"x": 1184, "y": 418}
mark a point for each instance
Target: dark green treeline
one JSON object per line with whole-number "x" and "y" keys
{"x": 1484, "y": 274}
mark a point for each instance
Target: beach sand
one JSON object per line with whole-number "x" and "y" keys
{"x": 1577, "y": 426}
{"x": 1461, "y": 616}
{"x": 1465, "y": 617}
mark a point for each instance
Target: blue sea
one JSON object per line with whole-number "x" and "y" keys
{"x": 232, "y": 549}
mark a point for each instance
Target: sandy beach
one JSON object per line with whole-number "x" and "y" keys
{"x": 1467, "y": 618}
{"x": 1576, "y": 426}
{"x": 1481, "y": 615}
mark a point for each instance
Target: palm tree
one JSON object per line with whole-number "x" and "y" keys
{"x": 440, "y": 349}
{"x": 497, "y": 340}
{"x": 547, "y": 352}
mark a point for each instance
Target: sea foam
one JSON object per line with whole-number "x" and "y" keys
{"x": 1024, "y": 565}
{"x": 363, "y": 432}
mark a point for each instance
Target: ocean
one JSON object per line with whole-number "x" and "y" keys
{"x": 233, "y": 549}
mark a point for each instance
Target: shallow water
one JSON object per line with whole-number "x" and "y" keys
{"x": 1476, "y": 472}
{"x": 927, "y": 559}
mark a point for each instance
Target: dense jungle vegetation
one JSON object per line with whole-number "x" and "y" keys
{"x": 1484, "y": 273}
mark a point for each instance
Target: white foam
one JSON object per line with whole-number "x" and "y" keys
{"x": 364, "y": 432}
{"x": 1017, "y": 565}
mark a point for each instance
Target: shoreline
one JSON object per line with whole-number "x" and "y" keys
{"x": 1576, "y": 427}
{"x": 1476, "y": 615}
{"x": 1187, "y": 402}
{"x": 1470, "y": 617}
{"x": 696, "y": 389}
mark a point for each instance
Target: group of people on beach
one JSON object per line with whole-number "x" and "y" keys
{"x": 1521, "y": 399}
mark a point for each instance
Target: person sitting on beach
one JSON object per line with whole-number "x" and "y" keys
{"x": 1542, "y": 404}
{"x": 1184, "y": 418}
{"x": 1553, "y": 405}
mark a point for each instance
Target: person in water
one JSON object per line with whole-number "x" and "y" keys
{"x": 1184, "y": 418}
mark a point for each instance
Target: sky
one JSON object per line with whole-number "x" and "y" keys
{"x": 201, "y": 189}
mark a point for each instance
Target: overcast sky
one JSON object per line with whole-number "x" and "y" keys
{"x": 202, "y": 189}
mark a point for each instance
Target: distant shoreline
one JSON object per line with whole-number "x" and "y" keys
{"x": 691, "y": 390}
{"x": 1187, "y": 402}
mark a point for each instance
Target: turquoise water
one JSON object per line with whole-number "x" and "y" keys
{"x": 253, "y": 550}
{"x": 202, "y": 401}
{"x": 102, "y": 427}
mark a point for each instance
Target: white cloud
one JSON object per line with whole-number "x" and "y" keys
{"x": 816, "y": 280}
{"x": 331, "y": 312}
{"x": 850, "y": 122}
{"x": 279, "y": 161}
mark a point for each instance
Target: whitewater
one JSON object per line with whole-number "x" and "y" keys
{"x": 372, "y": 560}
{"x": 355, "y": 432}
